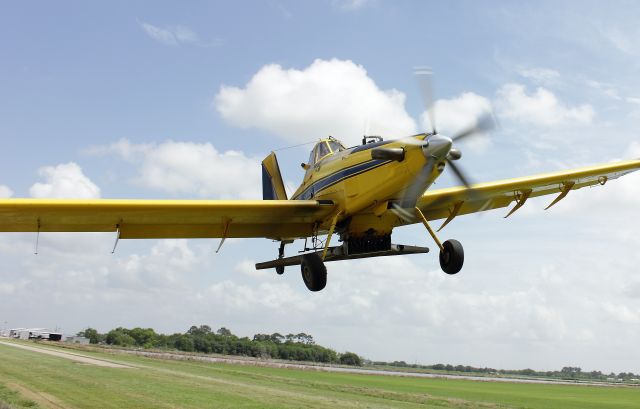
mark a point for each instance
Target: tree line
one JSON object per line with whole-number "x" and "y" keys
{"x": 202, "y": 339}
{"x": 566, "y": 373}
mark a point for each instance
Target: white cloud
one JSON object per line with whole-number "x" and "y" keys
{"x": 334, "y": 97}
{"x": 606, "y": 89}
{"x": 160, "y": 268}
{"x": 185, "y": 34}
{"x": 620, "y": 40}
{"x": 541, "y": 107}
{"x": 191, "y": 168}
{"x": 622, "y": 313}
{"x": 634, "y": 150}
{"x": 266, "y": 298}
{"x": 64, "y": 181}
{"x": 7, "y": 288}
{"x": 459, "y": 113}
{"x": 5, "y": 191}
{"x": 540, "y": 75}
{"x": 161, "y": 35}
{"x": 123, "y": 148}
{"x": 175, "y": 35}
{"x": 248, "y": 268}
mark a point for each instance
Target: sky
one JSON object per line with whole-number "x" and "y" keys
{"x": 167, "y": 100}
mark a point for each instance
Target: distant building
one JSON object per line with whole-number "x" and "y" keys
{"x": 35, "y": 333}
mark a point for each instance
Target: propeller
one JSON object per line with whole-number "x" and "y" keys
{"x": 482, "y": 125}
{"x": 423, "y": 76}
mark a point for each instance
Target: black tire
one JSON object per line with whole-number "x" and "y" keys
{"x": 314, "y": 272}
{"x": 452, "y": 258}
{"x": 280, "y": 270}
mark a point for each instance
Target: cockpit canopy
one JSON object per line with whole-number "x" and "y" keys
{"x": 323, "y": 149}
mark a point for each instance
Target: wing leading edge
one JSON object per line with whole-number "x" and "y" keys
{"x": 451, "y": 202}
{"x": 148, "y": 219}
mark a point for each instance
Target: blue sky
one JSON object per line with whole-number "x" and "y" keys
{"x": 164, "y": 100}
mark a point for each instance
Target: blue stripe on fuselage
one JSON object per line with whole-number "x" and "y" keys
{"x": 338, "y": 176}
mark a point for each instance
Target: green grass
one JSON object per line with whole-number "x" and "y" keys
{"x": 10, "y": 399}
{"x": 188, "y": 384}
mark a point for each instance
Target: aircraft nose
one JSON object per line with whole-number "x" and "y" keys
{"x": 438, "y": 147}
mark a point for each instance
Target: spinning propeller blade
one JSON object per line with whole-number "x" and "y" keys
{"x": 414, "y": 190}
{"x": 423, "y": 76}
{"x": 460, "y": 175}
{"x": 484, "y": 124}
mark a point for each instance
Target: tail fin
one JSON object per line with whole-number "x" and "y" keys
{"x": 272, "y": 185}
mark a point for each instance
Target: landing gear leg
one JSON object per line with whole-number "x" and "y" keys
{"x": 451, "y": 251}
{"x": 280, "y": 269}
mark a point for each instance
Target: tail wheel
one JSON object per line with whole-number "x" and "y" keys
{"x": 452, "y": 257}
{"x": 314, "y": 272}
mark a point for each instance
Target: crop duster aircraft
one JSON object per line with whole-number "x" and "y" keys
{"x": 361, "y": 193}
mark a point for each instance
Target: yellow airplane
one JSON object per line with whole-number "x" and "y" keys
{"x": 361, "y": 193}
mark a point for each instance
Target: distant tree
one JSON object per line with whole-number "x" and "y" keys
{"x": 304, "y": 338}
{"x": 184, "y": 343}
{"x": 224, "y": 332}
{"x": 143, "y": 337}
{"x": 261, "y": 337}
{"x": 570, "y": 371}
{"x": 120, "y": 337}
{"x": 350, "y": 358}
{"x": 92, "y": 334}
{"x": 201, "y": 330}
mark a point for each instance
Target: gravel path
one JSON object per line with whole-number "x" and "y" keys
{"x": 74, "y": 357}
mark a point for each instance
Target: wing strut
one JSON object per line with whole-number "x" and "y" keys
{"x": 520, "y": 201}
{"x": 564, "y": 190}
{"x": 117, "y": 237}
{"x": 35, "y": 251}
{"x": 224, "y": 234}
{"x": 452, "y": 214}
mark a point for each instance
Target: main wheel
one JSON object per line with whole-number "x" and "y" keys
{"x": 452, "y": 258}
{"x": 280, "y": 270}
{"x": 314, "y": 273}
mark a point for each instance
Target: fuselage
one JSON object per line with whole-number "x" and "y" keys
{"x": 363, "y": 188}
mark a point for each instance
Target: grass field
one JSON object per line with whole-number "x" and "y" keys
{"x": 31, "y": 379}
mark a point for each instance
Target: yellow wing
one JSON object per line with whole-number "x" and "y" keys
{"x": 145, "y": 219}
{"x": 450, "y": 202}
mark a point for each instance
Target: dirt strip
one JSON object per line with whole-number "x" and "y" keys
{"x": 68, "y": 355}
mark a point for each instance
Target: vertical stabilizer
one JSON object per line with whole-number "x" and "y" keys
{"x": 272, "y": 185}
